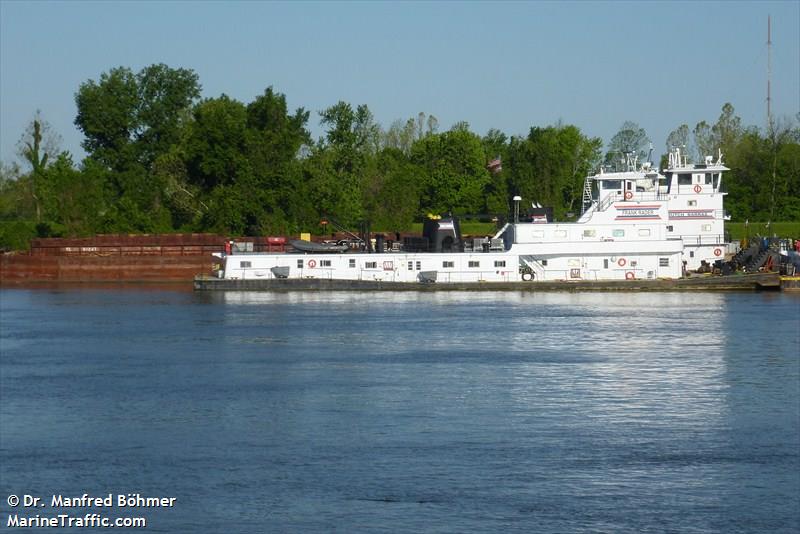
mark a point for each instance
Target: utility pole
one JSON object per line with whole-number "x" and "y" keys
{"x": 769, "y": 71}
{"x": 770, "y": 126}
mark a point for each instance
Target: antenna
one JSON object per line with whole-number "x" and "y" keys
{"x": 769, "y": 70}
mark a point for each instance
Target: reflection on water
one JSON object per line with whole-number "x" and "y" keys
{"x": 306, "y": 411}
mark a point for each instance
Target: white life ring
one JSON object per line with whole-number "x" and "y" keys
{"x": 312, "y": 264}
{"x": 628, "y": 195}
{"x": 621, "y": 262}
{"x": 717, "y": 252}
{"x": 698, "y": 188}
{"x": 630, "y": 276}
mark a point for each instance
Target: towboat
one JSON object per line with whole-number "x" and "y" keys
{"x": 636, "y": 224}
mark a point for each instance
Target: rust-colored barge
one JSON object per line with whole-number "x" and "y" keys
{"x": 113, "y": 258}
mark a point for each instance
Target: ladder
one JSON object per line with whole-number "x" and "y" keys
{"x": 587, "y": 194}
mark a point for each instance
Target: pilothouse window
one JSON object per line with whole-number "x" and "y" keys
{"x": 684, "y": 179}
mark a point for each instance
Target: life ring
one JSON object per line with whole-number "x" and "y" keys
{"x": 630, "y": 276}
{"x": 628, "y": 195}
{"x": 312, "y": 264}
{"x": 717, "y": 252}
{"x": 527, "y": 276}
{"x": 698, "y": 188}
{"x": 621, "y": 262}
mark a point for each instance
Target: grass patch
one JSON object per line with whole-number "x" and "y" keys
{"x": 739, "y": 231}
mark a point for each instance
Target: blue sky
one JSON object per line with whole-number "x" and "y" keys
{"x": 505, "y": 65}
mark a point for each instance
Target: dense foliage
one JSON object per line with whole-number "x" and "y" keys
{"x": 160, "y": 159}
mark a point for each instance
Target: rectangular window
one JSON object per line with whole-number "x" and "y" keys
{"x": 644, "y": 232}
{"x": 691, "y": 253}
{"x": 371, "y": 265}
{"x": 575, "y": 262}
{"x": 500, "y": 263}
{"x": 299, "y": 264}
{"x": 544, "y": 263}
{"x": 352, "y": 263}
{"x": 419, "y": 265}
{"x": 589, "y": 233}
{"x": 411, "y": 266}
{"x": 618, "y": 232}
{"x": 560, "y": 233}
{"x": 448, "y": 264}
{"x": 245, "y": 264}
{"x": 684, "y": 179}
{"x": 612, "y": 184}
{"x": 474, "y": 264}
{"x": 663, "y": 262}
{"x": 691, "y": 202}
{"x": 708, "y": 178}
{"x": 325, "y": 263}
{"x": 706, "y": 228}
{"x": 605, "y": 263}
{"x": 669, "y": 228}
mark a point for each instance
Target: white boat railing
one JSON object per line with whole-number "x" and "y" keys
{"x": 717, "y": 239}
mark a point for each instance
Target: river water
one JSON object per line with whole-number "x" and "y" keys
{"x": 412, "y": 412}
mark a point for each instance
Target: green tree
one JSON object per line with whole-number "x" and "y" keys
{"x": 550, "y": 165}
{"x": 347, "y": 159}
{"x": 75, "y": 202}
{"x": 728, "y": 129}
{"x": 452, "y": 167}
{"x": 679, "y": 138}
{"x": 403, "y": 134}
{"x": 128, "y": 121}
{"x": 630, "y": 139}
{"x": 391, "y": 195}
{"x": 704, "y": 142}
{"x": 216, "y": 144}
{"x": 107, "y": 117}
{"x": 783, "y": 145}
{"x": 165, "y": 96}
{"x": 274, "y": 139}
{"x": 38, "y": 146}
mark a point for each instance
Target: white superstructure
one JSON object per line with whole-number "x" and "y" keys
{"x": 637, "y": 224}
{"x": 687, "y": 199}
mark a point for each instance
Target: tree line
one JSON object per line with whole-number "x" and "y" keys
{"x": 161, "y": 159}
